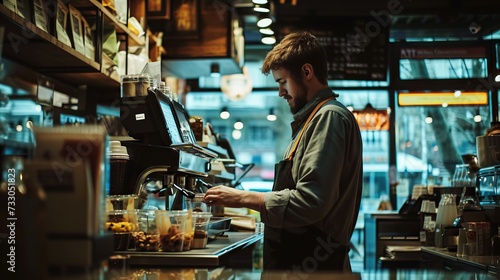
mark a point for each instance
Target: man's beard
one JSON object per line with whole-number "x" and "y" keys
{"x": 300, "y": 99}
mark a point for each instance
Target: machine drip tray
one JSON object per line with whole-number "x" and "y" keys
{"x": 218, "y": 226}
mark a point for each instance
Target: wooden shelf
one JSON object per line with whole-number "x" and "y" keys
{"x": 121, "y": 28}
{"x": 32, "y": 47}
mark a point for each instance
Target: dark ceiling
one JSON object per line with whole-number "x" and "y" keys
{"x": 408, "y": 18}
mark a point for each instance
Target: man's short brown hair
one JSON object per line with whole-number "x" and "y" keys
{"x": 295, "y": 50}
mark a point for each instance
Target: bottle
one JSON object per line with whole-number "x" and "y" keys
{"x": 446, "y": 215}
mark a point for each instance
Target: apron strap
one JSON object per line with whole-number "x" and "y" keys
{"x": 292, "y": 150}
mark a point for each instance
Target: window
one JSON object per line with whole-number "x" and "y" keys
{"x": 459, "y": 68}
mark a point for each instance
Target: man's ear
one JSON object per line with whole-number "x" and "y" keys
{"x": 307, "y": 70}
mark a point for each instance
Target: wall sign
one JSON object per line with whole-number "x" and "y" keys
{"x": 433, "y": 52}
{"x": 443, "y": 98}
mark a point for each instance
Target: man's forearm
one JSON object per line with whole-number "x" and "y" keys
{"x": 253, "y": 200}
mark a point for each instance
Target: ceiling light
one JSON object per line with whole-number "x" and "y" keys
{"x": 19, "y": 127}
{"x": 474, "y": 27}
{"x": 237, "y": 86}
{"x": 264, "y": 22}
{"x": 214, "y": 70}
{"x": 266, "y": 31}
{"x": 224, "y": 113}
{"x": 259, "y": 1}
{"x": 261, "y": 8}
{"x": 238, "y": 125}
{"x": 29, "y": 124}
{"x": 236, "y": 134}
{"x": 268, "y": 40}
{"x": 271, "y": 117}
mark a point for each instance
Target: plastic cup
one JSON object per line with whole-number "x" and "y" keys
{"x": 201, "y": 222}
{"x": 134, "y": 84}
{"x": 189, "y": 231}
{"x": 198, "y": 205}
{"x": 146, "y": 237}
{"x": 121, "y": 202}
{"x": 171, "y": 227}
{"x": 121, "y": 223}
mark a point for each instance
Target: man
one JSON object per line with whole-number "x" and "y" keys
{"x": 310, "y": 215}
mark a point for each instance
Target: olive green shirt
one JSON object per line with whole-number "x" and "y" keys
{"x": 327, "y": 170}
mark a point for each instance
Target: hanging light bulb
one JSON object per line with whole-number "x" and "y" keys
{"x": 236, "y": 134}
{"x": 261, "y": 8}
{"x": 478, "y": 118}
{"x": 224, "y": 113}
{"x": 238, "y": 125}
{"x": 214, "y": 70}
{"x": 19, "y": 127}
{"x": 271, "y": 117}
{"x": 266, "y": 31}
{"x": 29, "y": 124}
{"x": 268, "y": 40}
{"x": 264, "y": 22}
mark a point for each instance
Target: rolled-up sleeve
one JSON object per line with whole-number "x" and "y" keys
{"x": 275, "y": 204}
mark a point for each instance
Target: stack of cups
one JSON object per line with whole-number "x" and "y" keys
{"x": 118, "y": 159}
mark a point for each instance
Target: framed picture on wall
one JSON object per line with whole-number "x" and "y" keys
{"x": 158, "y": 9}
{"x": 184, "y": 19}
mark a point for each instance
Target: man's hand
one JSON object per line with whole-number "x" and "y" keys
{"x": 231, "y": 197}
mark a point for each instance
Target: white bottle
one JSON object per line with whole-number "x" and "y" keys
{"x": 446, "y": 215}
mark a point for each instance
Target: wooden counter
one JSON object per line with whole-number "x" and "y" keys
{"x": 223, "y": 250}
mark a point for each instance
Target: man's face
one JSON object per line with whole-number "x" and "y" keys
{"x": 294, "y": 92}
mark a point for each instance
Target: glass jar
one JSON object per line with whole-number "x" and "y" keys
{"x": 468, "y": 200}
{"x": 461, "y": 176}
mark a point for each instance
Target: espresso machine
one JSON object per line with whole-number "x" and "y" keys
{"x": 165, "y": 159}
{"x": 488, "y": 185}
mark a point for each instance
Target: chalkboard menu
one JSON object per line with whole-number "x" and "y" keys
{"x": 356, "y": 47}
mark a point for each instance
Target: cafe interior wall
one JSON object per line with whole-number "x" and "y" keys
{"x": 351, "y": 93}
{"x": 359, "y": 94}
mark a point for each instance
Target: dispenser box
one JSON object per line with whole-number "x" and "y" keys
{"x": 71, "y": 165}
{"x": 69, "y": 197}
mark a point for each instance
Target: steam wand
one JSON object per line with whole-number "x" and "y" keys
{"x": 187, "y": 193}
{"x": 205, "y": 186}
